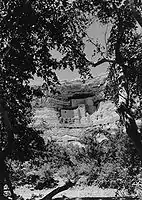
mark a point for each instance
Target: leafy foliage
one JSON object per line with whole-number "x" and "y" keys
{"x": 116, "y": 164}
{"x": 112, "y": 163}
{"x": 29, "y": 30}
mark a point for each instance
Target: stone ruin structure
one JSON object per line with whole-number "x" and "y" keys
{"x": 74, "y": 102}
{"x": 79, "y": 111}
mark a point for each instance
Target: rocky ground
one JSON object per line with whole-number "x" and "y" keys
{"x": 74, "y": 193}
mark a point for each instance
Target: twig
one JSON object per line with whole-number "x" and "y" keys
{"x": 103, "y": 60}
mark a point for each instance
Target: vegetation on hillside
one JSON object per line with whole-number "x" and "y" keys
{"x": 112, "y": 163}
{"x": 29, "y": 30}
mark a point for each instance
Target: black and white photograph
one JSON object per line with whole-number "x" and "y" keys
{"x": 70, "y": 100}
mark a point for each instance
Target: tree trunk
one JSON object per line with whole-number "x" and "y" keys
{"x": 131, "y": 127}
{"x": 132, "y": 131}
{"x": 137, "y": 16}
{"x": 7, "y": 150}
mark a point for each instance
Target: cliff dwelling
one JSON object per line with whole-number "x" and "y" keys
{"x": 80, "y": 109}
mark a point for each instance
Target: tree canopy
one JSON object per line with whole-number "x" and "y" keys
{"x": 29, "y": 30}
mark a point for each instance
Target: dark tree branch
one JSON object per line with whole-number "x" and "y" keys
{"x": 103, "y": 60}
{"x": 67, "y": 185}
{"x": 131, "y": 127}
{"x": 137, "y": 16}
{"x": 124, "y": 111}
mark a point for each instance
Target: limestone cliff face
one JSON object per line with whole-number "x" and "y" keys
{"x": 105, "y": 115}
{"x": 70, "y": 94}
{"x": 97, "y": 113}
{"x": 76, "y": 89}
{"x": 73, "y": 94}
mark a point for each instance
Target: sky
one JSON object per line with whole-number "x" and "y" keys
{"x": 96, "y": 32}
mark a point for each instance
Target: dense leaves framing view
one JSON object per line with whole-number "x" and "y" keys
{"x": 77, "y": 139}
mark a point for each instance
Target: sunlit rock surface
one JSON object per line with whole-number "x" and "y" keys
{"x": 105, "y": 115}
{"x": 91, "y": 95}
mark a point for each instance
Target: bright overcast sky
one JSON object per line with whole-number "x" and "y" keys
{"x": 96, "y": 32}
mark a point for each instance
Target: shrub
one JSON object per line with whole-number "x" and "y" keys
{"x": 38, "y": 176}
{"x": 116, "y": 163}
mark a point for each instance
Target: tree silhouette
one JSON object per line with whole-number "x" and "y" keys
{"x": 29, "y": 30}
